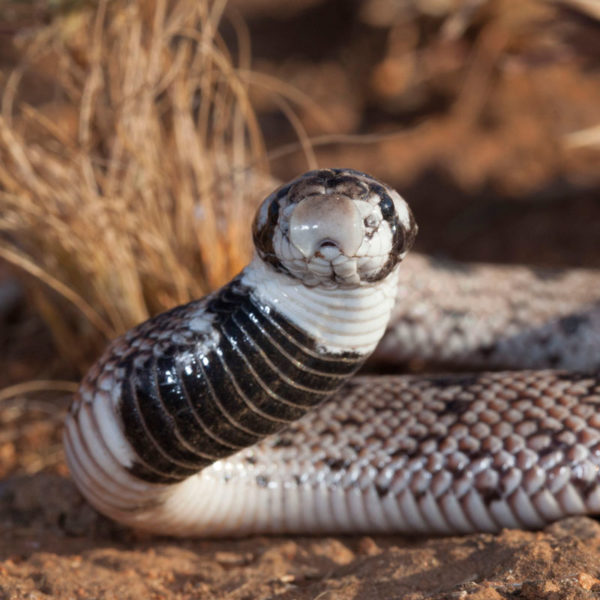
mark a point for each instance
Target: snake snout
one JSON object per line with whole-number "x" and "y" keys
{"x": 325, "y": 223}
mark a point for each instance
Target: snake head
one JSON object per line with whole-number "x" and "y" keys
{"x": 334, "y": 227}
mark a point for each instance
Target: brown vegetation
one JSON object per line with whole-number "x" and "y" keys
{"x": 137, "y": 195}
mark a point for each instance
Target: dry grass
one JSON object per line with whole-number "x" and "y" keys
{"x": 145, "y": 202}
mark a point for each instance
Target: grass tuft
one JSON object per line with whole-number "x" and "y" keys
{"x": 129, "y": 188}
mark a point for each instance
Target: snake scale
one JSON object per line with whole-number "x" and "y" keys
{"x": 240, "y": 413}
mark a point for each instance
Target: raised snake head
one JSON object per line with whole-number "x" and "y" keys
{"x": 334, "y": 227}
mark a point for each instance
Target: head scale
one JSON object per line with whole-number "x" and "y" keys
{"x": 334, "y": 227}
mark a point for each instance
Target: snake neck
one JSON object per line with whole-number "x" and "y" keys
{"x": 336, "y": 320}
{"x": 204, "y": 380}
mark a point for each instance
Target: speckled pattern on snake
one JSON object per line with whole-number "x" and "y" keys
{"x": 240, "y": 413}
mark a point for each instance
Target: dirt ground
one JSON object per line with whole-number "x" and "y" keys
{"x": 485, "y": 117}
{"x": 55, "y": 546}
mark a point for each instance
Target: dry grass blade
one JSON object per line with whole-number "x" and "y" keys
{"x": 41, "y": 385}
{"x": 144, "y": 202}
{"x": 589, "y": 137}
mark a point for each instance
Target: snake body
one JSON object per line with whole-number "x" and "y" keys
{"x": 481, "y": 316}
{"x": 238, "y": 413}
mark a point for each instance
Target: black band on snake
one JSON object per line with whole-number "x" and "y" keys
{"x": 240, "y": 413}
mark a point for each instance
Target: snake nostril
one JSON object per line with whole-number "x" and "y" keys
{"x": 328, "y": 250}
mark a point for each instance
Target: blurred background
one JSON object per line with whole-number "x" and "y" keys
{"x": 136, "y": 138}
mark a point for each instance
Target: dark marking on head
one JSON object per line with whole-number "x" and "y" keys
{"x": 412, "y": 232}
{"x": 283, "y": 190}
{"x": 313, "y": 182}
{"x": 402, "y": 240}
{"x": 351, "y": 171}
{"x": 348, "y": 185}
{"x": 263, "y": 236}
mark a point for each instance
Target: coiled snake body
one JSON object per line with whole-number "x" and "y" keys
{"x": 165, "y": 432}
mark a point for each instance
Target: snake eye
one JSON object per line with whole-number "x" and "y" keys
{"x": 370, "y": 221}
{"x": 386, "y": 206}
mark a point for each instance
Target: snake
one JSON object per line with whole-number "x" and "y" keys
{"x": 243, "y": 413}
